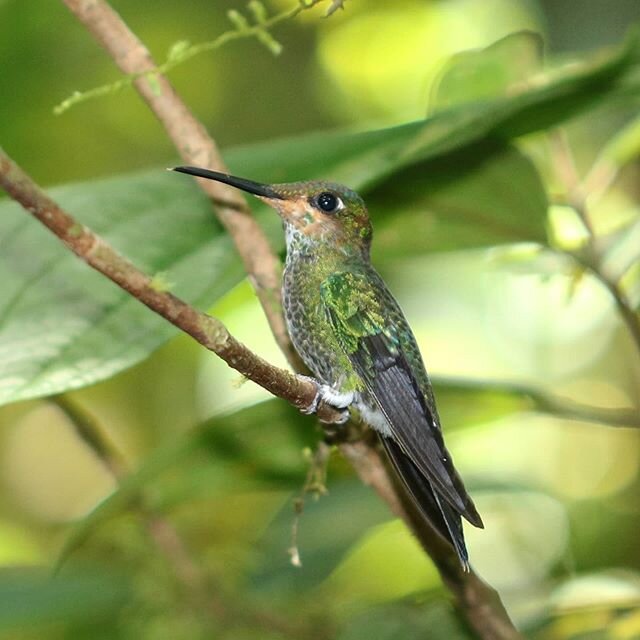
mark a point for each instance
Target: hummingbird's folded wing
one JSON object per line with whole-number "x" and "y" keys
{"x": 370, "y": 339}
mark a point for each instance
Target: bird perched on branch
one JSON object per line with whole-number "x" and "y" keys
{"x": 351, "y": 333}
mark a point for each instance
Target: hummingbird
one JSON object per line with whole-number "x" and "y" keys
{"x": 351, "y": 333}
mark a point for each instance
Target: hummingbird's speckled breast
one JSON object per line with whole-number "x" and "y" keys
{"x": 307, "y": 267}
{"x": 307, "y": 323}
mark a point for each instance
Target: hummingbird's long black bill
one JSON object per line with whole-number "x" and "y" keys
{"x": 249, "y": 186}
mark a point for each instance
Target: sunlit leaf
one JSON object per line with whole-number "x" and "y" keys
{"x": 632, "y": 286}
{"x": 498, "y": 70}
{"x": 328, "y": 528}
{"x": 385, "y": 564}
{"x": 600, "y": 607}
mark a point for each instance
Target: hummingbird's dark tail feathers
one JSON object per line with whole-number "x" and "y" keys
{"x": 438, "y": 513}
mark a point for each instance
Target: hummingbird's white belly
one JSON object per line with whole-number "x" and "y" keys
{"x": 372, "y": 415}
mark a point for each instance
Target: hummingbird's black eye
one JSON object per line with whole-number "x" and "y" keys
{"x": 328, "y": 202}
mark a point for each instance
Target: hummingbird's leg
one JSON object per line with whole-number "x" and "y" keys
{"x": 327, "y": 394}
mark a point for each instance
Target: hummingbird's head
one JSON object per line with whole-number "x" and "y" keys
{"x": 317, "y": 212}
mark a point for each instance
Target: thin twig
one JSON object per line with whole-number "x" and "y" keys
{"x": 619, "y": 151}
{"x": 90, "y": 431}
{"x": 545, "y": 402}
{"x": 630, "y": 317}
{"x": 196, "y": 147}
{"x": 182, "y": 51}
{"x": 576, "y": 197}
{"x": 315, "y": 484}
{"x": 567, "y": 172}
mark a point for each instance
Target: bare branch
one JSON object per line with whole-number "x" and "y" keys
{"x": 576, "y": 197}
{"x": 567, "y": 171}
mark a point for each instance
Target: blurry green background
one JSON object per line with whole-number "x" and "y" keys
{"x": 196, "y": 544}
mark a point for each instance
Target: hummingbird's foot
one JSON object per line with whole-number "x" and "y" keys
{"x": 328, "y": 395}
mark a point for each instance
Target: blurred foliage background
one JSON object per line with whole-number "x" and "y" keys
{"x": 162, "y": 486}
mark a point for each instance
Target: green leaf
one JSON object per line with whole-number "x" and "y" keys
{"x": 467, "y": 401}
{"x": 600, "y": 606}
{"x": 322, "y": 544}
{"x": 501, "y": 69}
{"x": 406, "y": 620}
{"x": 476, "y": 403}
{"x": 427, "y": 208}
{"x": 63, "y": 327}
{"x": 364, "y": 159}
{"x": 30, "y": 598}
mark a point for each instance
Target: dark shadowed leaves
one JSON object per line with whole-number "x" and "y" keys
{"x": 30, "y": 599}
{"x": 483, "y": 195}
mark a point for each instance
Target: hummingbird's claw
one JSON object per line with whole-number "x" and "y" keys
{"x": 313, "y": 407}
{"x": 328, "y": 395}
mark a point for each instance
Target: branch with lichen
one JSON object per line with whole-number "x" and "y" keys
{"x": 258, "y": 26}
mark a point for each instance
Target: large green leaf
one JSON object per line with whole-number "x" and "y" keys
{"x": 500, "y": 69}
{"x": 63, "y": 327}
